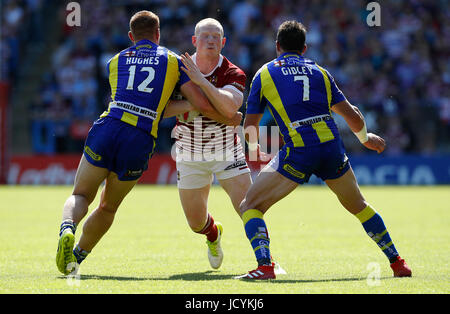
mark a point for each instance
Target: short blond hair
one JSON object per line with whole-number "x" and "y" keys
{"x": 208, "y": 21}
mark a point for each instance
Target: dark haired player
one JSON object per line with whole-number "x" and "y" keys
{"x": 301, "y": 95}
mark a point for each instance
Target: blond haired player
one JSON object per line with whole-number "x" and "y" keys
{"x": 206, "y": 147}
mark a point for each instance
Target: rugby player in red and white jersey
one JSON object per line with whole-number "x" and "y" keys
{"x": 206, "y": 147}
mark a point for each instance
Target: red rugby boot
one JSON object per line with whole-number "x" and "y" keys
{"x": 400, "y": 268}
{"x": 263, "y": 272}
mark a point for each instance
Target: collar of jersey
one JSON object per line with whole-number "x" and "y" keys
{"x": 290, "y": 53}
{"x": 145, "y": 41}
{"x": 218, "y": 65}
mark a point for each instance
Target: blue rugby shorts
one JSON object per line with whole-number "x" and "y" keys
{"x": 326, "y": 160}
{"x": 119, "y": 147}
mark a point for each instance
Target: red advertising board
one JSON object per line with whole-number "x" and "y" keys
{"x": 36, "y": 169}
{"x": 61, "y": 169}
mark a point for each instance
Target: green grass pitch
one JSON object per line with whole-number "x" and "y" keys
{"x": 150, "y": 248}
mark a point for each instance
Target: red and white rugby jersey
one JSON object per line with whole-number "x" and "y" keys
{"x": 197, "y": 134}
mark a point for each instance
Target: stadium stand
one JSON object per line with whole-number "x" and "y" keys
{"x": 398, "y": 73}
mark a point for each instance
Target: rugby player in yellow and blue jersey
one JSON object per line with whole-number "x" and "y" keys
{"x": 121, "y": 142}
{"x": 301, "y": 96}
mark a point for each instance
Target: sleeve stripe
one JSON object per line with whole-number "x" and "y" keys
{"x": 234, "y": 89}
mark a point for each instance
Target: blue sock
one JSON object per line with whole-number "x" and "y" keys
{"x": 375, "y": 228}
{"x": 256, "y": 231}
{"x": 80, "y": 254}
{"x": 67, "y": 224}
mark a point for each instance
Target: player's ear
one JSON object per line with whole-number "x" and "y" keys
{"x": 278, "y": 48}
{"x": 130, "y": 35}
{"x": 194, "y": 41}
{"x": 158, "y": 35}
{"x": 304, "y": 49}
{"x": 224, "y": 40}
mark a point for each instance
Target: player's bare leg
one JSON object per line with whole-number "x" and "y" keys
{"x": 87, "y": 180}
{"x": 101, "y": 219}
{"x": 269, "y": 187}
{"x": 347, "y": 191}
{"x": 236, "y": 188}
{"x": 195, "y": 207}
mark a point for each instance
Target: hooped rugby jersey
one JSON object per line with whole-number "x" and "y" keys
{"x": 299, "y": 94}
{"x": 142, "y": 79}
{"x": 197, "y": 134}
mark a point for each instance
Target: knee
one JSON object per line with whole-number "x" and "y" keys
{"x": 243, "y": 207}
{"x": 247, "y": 204}
{"x": 108, "y": 208}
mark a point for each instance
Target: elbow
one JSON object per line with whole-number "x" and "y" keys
{"x": 231, "y": 110}
{"x": 357, "y": 111}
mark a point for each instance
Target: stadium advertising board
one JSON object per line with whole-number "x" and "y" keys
{"x": 370, "y": 170}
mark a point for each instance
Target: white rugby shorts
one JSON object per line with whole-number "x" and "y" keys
{"x": 197, "y": 174}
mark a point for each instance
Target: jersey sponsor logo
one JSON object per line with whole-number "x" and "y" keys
{"x": 141, "y": 111}
{"x": 288, "y": 168}
{"x": 91, "y": 154}
{"x": 309, "y": 121}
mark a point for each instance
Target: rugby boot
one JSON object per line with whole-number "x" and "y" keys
{"x": 65, "y": 259}
{"x": 263, "y": 272}
{"x": 400, "y": 268}
{"x": 215, "y": 253}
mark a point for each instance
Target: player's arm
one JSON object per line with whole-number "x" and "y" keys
{"x": 176, "y": 107}
{"x": 226, "y": 101}
{"x": 256, "y": 104}
{"x": 251, "y": 129}
{"x": 357, "y": 124}
{"x": 251, "y": 133}
{"x": 200, "y": 103}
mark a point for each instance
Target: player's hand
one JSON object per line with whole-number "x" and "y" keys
{"x": 191, "y": 69}
{"x": 237, "y": 119}
{"x": 258, "y": 155}
{"x": 375, "y": 143}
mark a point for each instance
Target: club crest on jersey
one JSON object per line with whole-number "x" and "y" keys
{"x": 213, "y": 80}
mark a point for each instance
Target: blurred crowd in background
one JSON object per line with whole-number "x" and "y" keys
{"x": 398, "y": 74}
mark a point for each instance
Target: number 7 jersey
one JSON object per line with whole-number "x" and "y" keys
{"x": 142, "y": 78}
{"x": 299, "y": 95}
